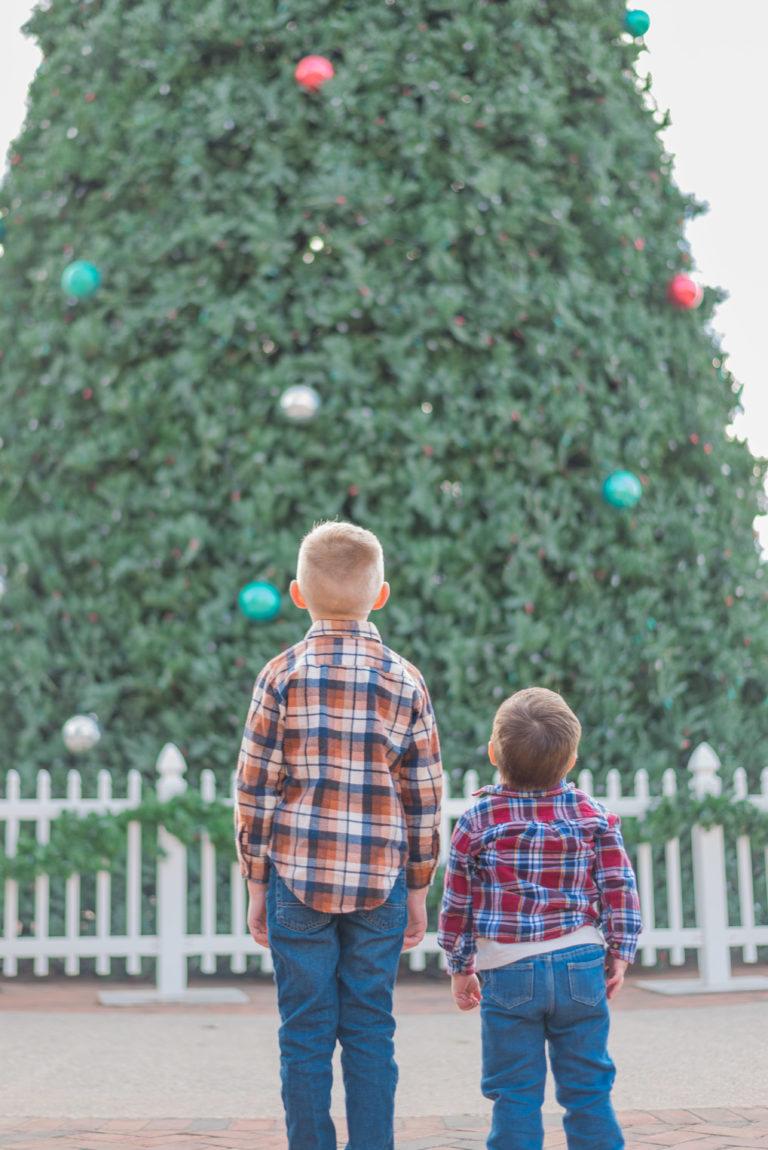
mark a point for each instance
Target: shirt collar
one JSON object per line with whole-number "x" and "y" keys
{"x": 356, "y": 627}
{"x": 503, "y": 789}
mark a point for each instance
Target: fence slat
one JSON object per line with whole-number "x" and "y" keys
{"x": 239, "y": 959}
{"x": 42, "y": 882}
{"x": 208, "y": 880}
{"x": 104, "y": 883}
{"x": 645, "y": 890}
{"x": 72, "y": 889}
{"x": 171, "y": 883}
{"x": 674, "y": 897}
{"x": 133, "y": 878}
{"x": 674, "y": 875}
{"x": 746, "y": 893}
{"x": 11, "y": 892}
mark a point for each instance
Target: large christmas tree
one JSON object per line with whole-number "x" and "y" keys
{"x": 463, "y": 242}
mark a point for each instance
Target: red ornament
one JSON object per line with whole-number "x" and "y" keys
{"x": 313, "y": 71}
{"x": 683, "y": 293}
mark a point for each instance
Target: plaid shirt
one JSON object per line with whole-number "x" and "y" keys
{"x": 339, "y": 777}
{"x": 528, "y": 866}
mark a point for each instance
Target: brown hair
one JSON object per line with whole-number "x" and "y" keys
{"x": 340, "y": 569}
{"x": 535, "y": 737}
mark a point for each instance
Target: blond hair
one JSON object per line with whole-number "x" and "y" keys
{"x": 535, "y": 738}
{"x": 340, "y": 569}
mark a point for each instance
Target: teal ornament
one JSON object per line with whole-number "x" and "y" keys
{"x": 80, "y": 279}
{"x": 637, "y": 22}
{"x": 622, "y": 489}
{"x": 259, "y": 601}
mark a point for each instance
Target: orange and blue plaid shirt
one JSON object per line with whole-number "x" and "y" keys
{"x": 529, "y": 866}
{"x": 339, "y": 778}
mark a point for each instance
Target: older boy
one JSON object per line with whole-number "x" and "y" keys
{"x": 536, "y": 867}
{"x": 337, "y": 816}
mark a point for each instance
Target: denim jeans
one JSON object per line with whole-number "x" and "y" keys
{"x": 556, "y": 998}
{"x": 335, "y": 974}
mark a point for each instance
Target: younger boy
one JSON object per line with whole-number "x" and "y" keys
{"x": 536, "y": 866}
{"x": 337, "y": 821}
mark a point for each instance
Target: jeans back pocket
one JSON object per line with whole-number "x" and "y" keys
{"x": 392, "y": 914}
{"x": 586, "y": 980}
{"x": 295, "y": 915}
{"x": 509, "y": 986}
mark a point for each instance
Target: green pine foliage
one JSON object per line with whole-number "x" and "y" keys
{"x": 485, "y": 321}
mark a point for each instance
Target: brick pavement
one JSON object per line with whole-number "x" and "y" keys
{"x": 702, "y": 1129}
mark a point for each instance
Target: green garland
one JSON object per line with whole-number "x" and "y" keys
{"x": 89, "y": 843}
{"x": 675, "y": 818}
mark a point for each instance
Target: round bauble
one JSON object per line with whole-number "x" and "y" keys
{"x": 80, "y": 279}
{"x": 259, "y": 601}
{"x": 637, "y": 22}
{"x": 684, "y": 293}
{"x": 622, "y": 489}
{"x": 300, "y": 403}
{"x": 312, "y": 72}
{"x": 81, "y": 733}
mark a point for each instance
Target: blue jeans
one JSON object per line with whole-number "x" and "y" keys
{"x": 335, "y": 974}
{"x": 557, "y": 998}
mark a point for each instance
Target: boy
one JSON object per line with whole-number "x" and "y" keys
{"x": 535, "y": 867}
{"x": 337, "y": 821}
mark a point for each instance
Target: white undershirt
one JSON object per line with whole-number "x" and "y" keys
{"x": 492, "y": 954}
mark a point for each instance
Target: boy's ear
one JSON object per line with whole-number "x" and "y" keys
{"x": 573, "y": 764}
{"x": 382, "y": 597}
{"x": 491, "y": 753}
{"x": 296, "y": 595}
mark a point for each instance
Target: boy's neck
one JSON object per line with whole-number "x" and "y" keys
{"x": 337, "y": 617}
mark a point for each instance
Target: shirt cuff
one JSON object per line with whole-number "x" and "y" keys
{"x": 626, "y": 950}
{"x": 459, "y": 967}
{"x": 420, "y": 874}
{"x": 255, "y": 869}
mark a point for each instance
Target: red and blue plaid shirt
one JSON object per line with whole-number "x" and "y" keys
{"x": 531, "y": 866}
{"x": 339, "y": 777}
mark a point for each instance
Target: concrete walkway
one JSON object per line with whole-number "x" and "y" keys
{"x": 75, "y": 1075}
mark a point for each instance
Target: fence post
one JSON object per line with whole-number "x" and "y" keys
{"x": 709, "y": 875}
{"x": 171, "y": 978}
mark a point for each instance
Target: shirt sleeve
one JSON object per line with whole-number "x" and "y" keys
{"x": 420, "y": 789}
{"x": 456, "y": 934}
{"x": 259, "y": 780}
{"x": 619, "y": 903}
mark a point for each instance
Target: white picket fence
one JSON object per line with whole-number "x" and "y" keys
{"x": 170, "y": 945}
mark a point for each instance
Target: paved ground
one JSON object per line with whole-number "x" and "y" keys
{"x": 705, "y": 1129}
{"x": 74, "y": 1075}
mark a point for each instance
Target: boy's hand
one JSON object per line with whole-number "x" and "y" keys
{"x": 614, "y": 973}
{"x": 416, "y": 927}
{"x": 257, "y": 912}
{"x": 466, "y": 991}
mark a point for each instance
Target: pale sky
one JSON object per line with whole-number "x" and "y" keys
{"x": 707, "y": 61}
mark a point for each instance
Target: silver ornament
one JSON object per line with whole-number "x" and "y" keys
{"x": 300, "y": 403}
{"x": 80, "y": 733}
